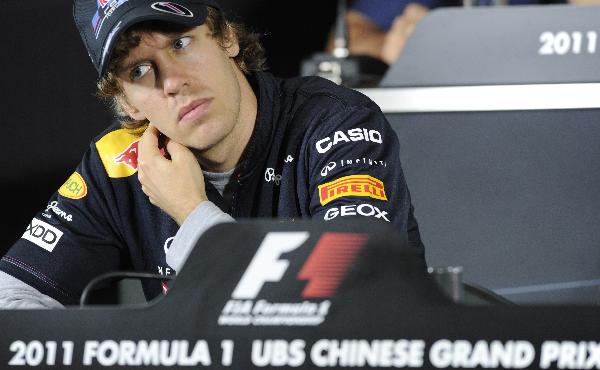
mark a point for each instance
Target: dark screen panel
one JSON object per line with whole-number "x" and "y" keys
{"x": 513, "y": 197}
{"x": 462, "y": 46}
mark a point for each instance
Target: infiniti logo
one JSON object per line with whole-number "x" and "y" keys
{"x": 172, "y": 8}
{"x": 270, "y": 176}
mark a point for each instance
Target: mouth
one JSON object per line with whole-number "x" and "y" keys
{"x": 194, "y": 110}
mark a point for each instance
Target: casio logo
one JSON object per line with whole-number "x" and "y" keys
{"x": 355, "y": 134}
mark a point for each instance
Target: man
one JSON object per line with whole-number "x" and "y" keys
{"x": 207, "y": 138}
{"x": 381, "y": 28}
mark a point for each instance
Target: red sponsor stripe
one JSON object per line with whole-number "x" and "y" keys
{"x": 329, "y": 262}
{"x": 173, "y": 7}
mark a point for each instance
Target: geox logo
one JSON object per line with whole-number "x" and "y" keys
{"x": 172, "y": 8}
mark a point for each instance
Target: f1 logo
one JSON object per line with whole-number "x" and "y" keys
{"x": 266, "y": 265}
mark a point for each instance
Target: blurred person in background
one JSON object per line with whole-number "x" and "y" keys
{"x": 381, "y": 28}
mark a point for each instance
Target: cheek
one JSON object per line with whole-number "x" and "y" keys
{"x": 137, "y": 96}
{"x": 144, "y": 101}
{"x": 229, "y": 82}
{"x": 220, "y": 65}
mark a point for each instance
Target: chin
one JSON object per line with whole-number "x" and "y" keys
{"x": 203, "y": 145}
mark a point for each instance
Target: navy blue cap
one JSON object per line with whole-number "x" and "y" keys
{"x": 100, "y": 22}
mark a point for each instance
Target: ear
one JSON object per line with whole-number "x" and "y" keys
{"x": 232, "y": 46}
{"x": 131, "y": 111}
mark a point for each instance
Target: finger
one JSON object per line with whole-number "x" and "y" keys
{"x": 146, "y": 188}
{"x": 399, "y": 24}
{"x": 415, "y": 11}
{"x": 141, "y": 175}
{"x": 148, "y": 144}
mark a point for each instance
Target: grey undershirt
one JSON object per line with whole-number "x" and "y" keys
{"x": 205, "y": 216}
{"x": 16, "y": 294}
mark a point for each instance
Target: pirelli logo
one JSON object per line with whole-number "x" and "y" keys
{"x": 352, "y": 186}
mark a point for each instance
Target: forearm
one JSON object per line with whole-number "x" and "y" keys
{"x": 364, "y": 37}
{"x": 15, "y": 294}
{"x": 202, "y": 218}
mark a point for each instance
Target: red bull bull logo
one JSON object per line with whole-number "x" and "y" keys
{"x": 118, "y": 151}
{"x": 129, "y": 156}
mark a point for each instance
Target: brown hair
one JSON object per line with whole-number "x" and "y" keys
{"x": 250, "y": 58}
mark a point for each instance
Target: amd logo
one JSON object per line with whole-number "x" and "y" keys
{"x": 42, "y": 234}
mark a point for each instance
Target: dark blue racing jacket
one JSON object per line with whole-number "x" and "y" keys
{"x": 318, "y": 150}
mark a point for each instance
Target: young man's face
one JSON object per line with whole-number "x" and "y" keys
{"x": 186, "y": 85}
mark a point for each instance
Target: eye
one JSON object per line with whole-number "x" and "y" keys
{"x": 182, "y": 42}
{"x": 139, "y": 71}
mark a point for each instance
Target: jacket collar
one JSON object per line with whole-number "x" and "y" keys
{"x": 267, "y": 90}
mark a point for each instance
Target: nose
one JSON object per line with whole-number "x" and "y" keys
{"x": 174, "y": 79}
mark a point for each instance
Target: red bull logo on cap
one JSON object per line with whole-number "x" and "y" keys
{"x": 105, "y": 9}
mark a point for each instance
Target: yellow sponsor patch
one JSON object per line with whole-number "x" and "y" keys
{"x": 119, "y": 152}
{"x": 74, "y": 187}
{"x": 355, "y": 186}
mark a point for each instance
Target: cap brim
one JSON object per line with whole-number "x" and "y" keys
{"x": 140, "y": 14}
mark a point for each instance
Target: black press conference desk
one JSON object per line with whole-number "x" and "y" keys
{"x": 304, "y": 295}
